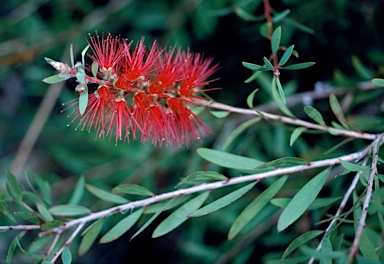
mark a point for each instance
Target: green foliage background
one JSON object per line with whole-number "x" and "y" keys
{"x": 32, "y": 30}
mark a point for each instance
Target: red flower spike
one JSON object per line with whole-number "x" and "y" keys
{"x": 107, "y": 52}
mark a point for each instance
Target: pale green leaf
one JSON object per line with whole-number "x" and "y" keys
{"x": 83, "y": 100}
{"x": 296, "y": 134}
{"x": 29, "y": 254}
{"x": 302, "y": 200}
{"x": 179, "y": 216}
{"x": 83, "y": 54}
{"x": 352, "y": 166}
{"x": 228, "y": 160}
{"x": 164, "y": 206}
{"x": 278, "y": 100}
{"x": 78, "y": 192}
{"x": 378, "y": 82}
{"x": 314, "y": 114}
{"x": 89, "y": 236}
{"x": 121, "y": 227}
{"x": 134, "y": 189}
{"x": 51, "y": 224}
{"x": 298, "y": 25}
{"x": 336, "y": 109}
{"x": 69, "y": 210}
{"x": 317, "y": 203}
{"x": 238, "y": 130}
{"x": 43, "y": 185}
{"x": 44, "y": 211}
{"x": 280, "y": 16}
{"x": 255, "y": 207}
{"x": 106, "y": 196}
{"x": 287, "y": 54}
{"x": 95, "y": 68}
{"x": 56, "y": 78}
{"x": 220, "y": 114}
{"x": 202, "y": 177}
{"x": 300, "y": 240}
{"x": 247, "y": 16}
{"x": 275, "y": 40}
{"x": 250, "y": 98}
{"x": 14, "y": 186}
{"x": 280, "y": 89}
{"x": 283, "y": 163}
{"x": 268, "y": 63}
{"x": 66, "y": 256}
{"x": 223, "y": 201}
{"x": 255, "y": 67}
{"x": 27, "y": 216}
{"x": 298, "y": 66}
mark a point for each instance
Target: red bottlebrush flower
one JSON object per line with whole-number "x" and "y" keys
{"x": 107, "y": 52}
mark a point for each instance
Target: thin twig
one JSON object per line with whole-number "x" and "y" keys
{"x": 340, "y": 209}
{"x": 288, "y": 120}
{"x": 368, "y": 196}
{"x": 20, "y": 227}
{"x": 211, "y": 186}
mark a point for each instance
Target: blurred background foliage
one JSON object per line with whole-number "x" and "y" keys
{"x": 34, "y": 29}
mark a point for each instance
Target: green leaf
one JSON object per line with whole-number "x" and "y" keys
{"x": 296, "y": 134}
{"x": 29, "y": 254}
{"x": 106, "y": 196}
{"x": 352, "y": 166}
{"x": 150, "y": 220}
{"x": 202, "y": 177}
{"x": 4, "y": 209}
{"x": 121, "y": 227}
{"x": 66, "y": 256}
{"x": 14, "y": 186}
{"x": 299, "y": 66}
{"x": 317, "y": 203}
{"x": 179, "y": 216}
{"x": 255, "y": 207}
{"x": 95, "y": 68}
{"x": 223, "y": 201}
{"x": 275, "y": 40}
{"x": 314, "y": 114}
{"x": 51, "y": 224}
{"x": 238, "y": 130}
{"x": 83, "y": 100}
{"x": 336, "y": 109}
{"x": 244, "y": 15}
{"x": 255, "y": 67}
{"x": 78, "y": 192}
{"x": 56, "y": 78}
{"x": 253, "y": 77}
{"x": 70, "y": 55}
{"x": 12, "y": 248}
{"x": 43, "y": 185}
{"x": 268, "y": 64}
{"x": 360, "y": 69}
{"x": 89, "y": 236}
{"x": 287, "y": 54}
{"x": 69, "y": 210}
{"x": 83, "y": 54}
{"x": 154, "y": 208}
{"x": 219, "y": 114}
{"x": 300, "y": 240}
{"x": 278, "y": 100}
{"x": 228, "y": 160}
{"x": 44, "y": 211}
{"x": 280, "y": 16}
{"x": 301, "y": 201}
{"x": 280, "y": 89}
{"x": 250, "y": 98}
{"x": 298, "y": 25}
{"x": 283, "y": 163}
{"x": 27, "y": 216}
{"x": 134, "y": 189}
{"x": 378, "y": 82}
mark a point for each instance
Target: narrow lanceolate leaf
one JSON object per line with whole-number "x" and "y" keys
{"x": 280, "y": 89}
{"x": 78, "y": 192}
{"x": 300, "y": 241}
{"x": 255, "y": 67}
{"x": 27, "y": 217}
{"x": 268, "y": 63}
{"x": 51, "y": 224}
{"x": 302, "y": 200}
{"x": 220, "y": 114}
{"x": 352, "y": 166}
{"x": 12, "y": 247}
{"x": 287, "y": 54}
{"x": 66, "y": 256}
{"x": 278, "y": 100}
{"x": 283, "y": 163}
{"x": 202, "y": 177}
{"x": 29, "y": 254}
{"x": 336, "y": 109}
{"x": 275, "y": 41}
{"x": 280, "y": 16}
{"x": 83, "y": 54}
{"x": 223, "y": 201}
{"x": 150, "y": 220}
{"x": 121, "y": 227}
{"x": 44, "y": 211}
{"x": 296, "y": 134}
{"x": 250, "y": 98}
{"x": 14, "y": 186}
{"x": 134, "y": 189}
{"x": 228, "y": 160}
{"x": 238, "y": 130}
{"x": 255, "y": 207}
{"x": 89, "y": 236}
{"x": 69, "y": 210}
{"x": 378, "y": 82}
{"x": 298, "y": 66}
{"x": 317, "y": 203}
{"x": 360, "y": 69}
{"x": 83, "y": 100}
{"x": 95, "y": 68}
{"x": 56, "y": 78}
{"x": 106, "y": 196}
{"x": 43, "y": 185}
{"x": 314, "y": 114}
{"x": 179, "y": 216}
{"x": 247, "y": 16}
